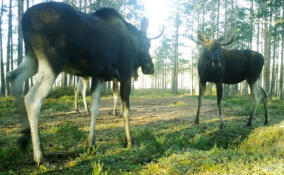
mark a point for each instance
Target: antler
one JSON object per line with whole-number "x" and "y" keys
{"x": 158, "y": 36}
{"x": 199, "y": 41}
{"x": 228, "y": 42}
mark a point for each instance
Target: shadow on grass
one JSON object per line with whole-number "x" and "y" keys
{"x": 152, "y": 143}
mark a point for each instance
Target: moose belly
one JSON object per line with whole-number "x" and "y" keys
{"x": 108, "y": 72}
{"x": 233, "y": 78}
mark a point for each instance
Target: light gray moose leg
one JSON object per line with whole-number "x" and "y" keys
{"x": 17, "y": 77}
{"x": 265, "y": 101}
{"x": 84, "y": 91}
{"x": 256, "y": 96}
{"x": 95, "y": 104}
{"x": 82, "y": 87}
{"x": 115, "y": 96}
{"x": 202, "y": 89}
{"x": 77, "y": 90}
{"x": 33, "y": 101}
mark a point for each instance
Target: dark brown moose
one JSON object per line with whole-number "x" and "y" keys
{"x": 220, "y": 66}
{"x": 59, "y": 39}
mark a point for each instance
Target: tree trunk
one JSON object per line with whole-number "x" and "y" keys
{"x": 20, "y": 35}
{"x": 163, "y": 72}
{"x": 267, "y": 54}
{"x": 212, "y": 35}
{"x": 218, "y": 18}
{"x": 20, "y": 39}
{"x": 226, "y": 87}
{"x": 3, "y": 82}
{"x": 282, "y": 64}
{"x": 272, "y": 89}
{"x": 175, "y": 58}
{"x": 192, "y": 73}
{"x": 9, "y": 44}
{"x": 28, "y": 4}
{"x": 251, "y": 24}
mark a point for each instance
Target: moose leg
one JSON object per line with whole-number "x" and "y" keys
{"x": 202, "y": 89}
{"x": 219, "y": 98}
{"x": 17, "y": 77}
{"x": 84, "y": 91}
{"x": 95, "y": 102}
{"x": 256, "y": 96}
{"x": 125, "y": 88}
{"x": 77, "y": 90}
{"x": 33, "y": 101}
{"x": 115, "y": 96}
{"x": 264, "y": 100}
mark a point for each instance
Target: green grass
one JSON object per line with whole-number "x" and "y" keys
{"x": 155, "y": 93}
{"x": 169, "y": 147}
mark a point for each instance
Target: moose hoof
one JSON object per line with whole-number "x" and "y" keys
{"x": 128, "y": 144}
{"x": 249, "y": 124}
{"x": 115, "y": 113}
{"x": 221, "y": 127}
{"x": 47, "y": 165}
{"x": 38, "y": 158}
{"x": 196, "y": 122}
{"x": 91, "y": 149}
{"x": 88, "y": 111}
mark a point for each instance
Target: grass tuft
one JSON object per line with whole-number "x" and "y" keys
{"x": 98, "y": 169}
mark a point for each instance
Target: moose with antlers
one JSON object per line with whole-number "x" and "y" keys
{"x": 220, "y": 66}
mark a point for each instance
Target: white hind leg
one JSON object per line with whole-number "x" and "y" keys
{"x": 17, "y": 77}
{"x": 84, "y": 92}
{"x": 77, "y": 89}
{"x": 256, "y": 95}
{"x": 95, "y": 107}
{"x": 265, "y": 103}
{"x": 33, "y": 101}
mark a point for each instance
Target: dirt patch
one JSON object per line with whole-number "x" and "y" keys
{"x": 144, "y": 110}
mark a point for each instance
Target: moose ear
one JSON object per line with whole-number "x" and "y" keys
{"x": 144, "y": 24}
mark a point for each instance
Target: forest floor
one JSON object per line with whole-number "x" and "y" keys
{"x": 165, "y": 139}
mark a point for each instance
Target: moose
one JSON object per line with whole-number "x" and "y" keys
{"x": 220, "y": 66}
{"x": 59, "y": 39}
